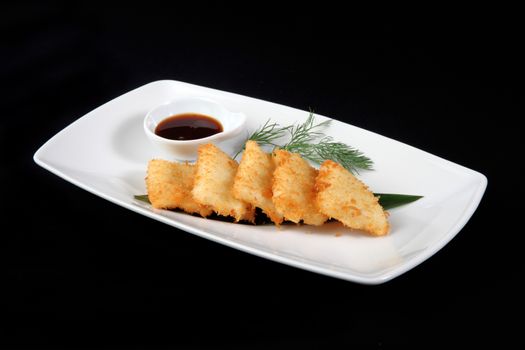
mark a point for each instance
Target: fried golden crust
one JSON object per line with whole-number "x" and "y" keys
{"x": 294, "y": 189}
{"x": 214, "y": 181}
{"x": 169, "y": 187}
{"x": 253, "y": 181}
{"x": 341, "y": 196}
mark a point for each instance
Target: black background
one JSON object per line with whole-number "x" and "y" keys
{"x": 81, "y": 272}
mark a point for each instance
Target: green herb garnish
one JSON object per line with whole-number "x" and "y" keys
{"x": 142, "y": 198}
{"x": 309, "y": 141}
{"x": 393, "y": 200}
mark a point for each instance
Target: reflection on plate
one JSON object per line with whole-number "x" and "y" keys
{"x": 106, "y": 152}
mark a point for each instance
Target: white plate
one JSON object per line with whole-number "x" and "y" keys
{"x": 106, "y": 152}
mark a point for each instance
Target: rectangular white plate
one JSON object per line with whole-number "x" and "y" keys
{"x": 106, "y": 152}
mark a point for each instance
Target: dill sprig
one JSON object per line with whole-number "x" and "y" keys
{"x": 305, "y": 133}
{"x": 349, "y": 157}
{"x": 308, "y": 140}
{"x": 266, "y": 135}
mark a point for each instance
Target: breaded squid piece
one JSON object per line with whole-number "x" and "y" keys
{"x": 341, "y": 196}
{"x": 214, "y": 182}
{"x": 253, "y": 181}
{"x": 294, "y": 189}
{"x": 169, "y": 187}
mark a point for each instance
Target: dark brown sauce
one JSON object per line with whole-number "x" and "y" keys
{"x": 188, "y": 126}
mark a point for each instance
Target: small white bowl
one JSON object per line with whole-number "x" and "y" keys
{"x": 229, "y": 140}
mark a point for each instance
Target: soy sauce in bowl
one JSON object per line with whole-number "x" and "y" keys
{"x": 178, "y": 128}
{"x": 188, "y": 126}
